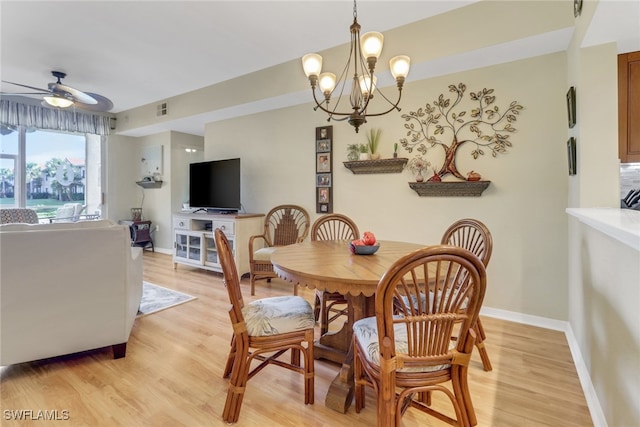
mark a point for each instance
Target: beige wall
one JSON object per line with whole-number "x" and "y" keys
{"x": 523, "y": 207}
{"x": 602, "y": 273}
{"x": 158, "y": 204}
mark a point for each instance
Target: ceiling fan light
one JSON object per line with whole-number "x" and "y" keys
{"x": 371, "y": 44}
{"x": 57, "y": 101}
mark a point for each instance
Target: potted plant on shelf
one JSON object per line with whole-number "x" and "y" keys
{"x": 353, "y": 152}
{"x": 364, "y": 152}
{"x": 395, "y": 150}
{"x": 417, "y": 165}
{"x": 373, "y": 139}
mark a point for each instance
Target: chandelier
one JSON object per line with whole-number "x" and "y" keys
{"x": 363, "y": 55}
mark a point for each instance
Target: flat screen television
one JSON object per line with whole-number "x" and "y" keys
{"x": 214, "y": 186}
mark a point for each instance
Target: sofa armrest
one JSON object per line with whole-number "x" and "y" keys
{"x": 134, "y": 285}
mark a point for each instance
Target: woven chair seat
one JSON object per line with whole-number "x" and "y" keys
{"x": 277, "y": 315}
{"x": 264, "y": 254}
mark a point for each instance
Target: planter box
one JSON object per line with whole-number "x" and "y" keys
{"x": 449, "y": 188}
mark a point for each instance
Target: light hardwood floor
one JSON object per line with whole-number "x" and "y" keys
{"x": 171, "y": 375}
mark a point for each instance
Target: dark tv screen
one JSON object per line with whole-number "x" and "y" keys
{"x": 215, "y": 185}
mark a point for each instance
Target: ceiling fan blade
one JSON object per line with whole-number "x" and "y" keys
{"x": 28, "y": 87}
{"x": 25, "y": 93}
{"x": 78, "y": 95}
{"x": 102, "y": 104}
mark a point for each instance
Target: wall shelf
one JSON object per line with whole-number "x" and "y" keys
{"x": 394, "y": 165}
{"x": 149, "y": 184}
{"x": 449, "y": 188}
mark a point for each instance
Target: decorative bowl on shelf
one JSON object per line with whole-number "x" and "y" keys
{"x": 363, "y": 249}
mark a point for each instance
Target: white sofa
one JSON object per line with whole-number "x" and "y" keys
{"x": 66, "y": 288}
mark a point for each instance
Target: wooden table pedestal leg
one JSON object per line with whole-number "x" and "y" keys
{"x": 340, "y": 394}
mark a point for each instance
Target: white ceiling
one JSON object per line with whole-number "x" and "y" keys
{"x": 140, "y": 52}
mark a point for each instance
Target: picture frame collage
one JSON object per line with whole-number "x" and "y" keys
{"x": 324, "y": 169}
{"x": 571, "y": 143}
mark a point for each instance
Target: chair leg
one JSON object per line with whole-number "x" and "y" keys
{"x": 481, "y": 336}
{"x": 324, "y": 316}
{"x": 316, "y": 307}
{"x": 295, "y": 356}
{"x": 358, "y": 379}
{"x": 467, "y": 415}
{"x": 232, "y": 355}
{"x": 386, "y": 402}
{"x": 309, "y": 370}
{"x": 237, "y": 386}
{"x": 252, "y": 280}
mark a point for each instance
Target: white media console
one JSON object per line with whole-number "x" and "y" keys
{"x": 194, "y": 243}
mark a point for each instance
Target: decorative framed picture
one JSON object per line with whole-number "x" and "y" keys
{"x": 323, "y": 162}
{"x": 324, "y": 169}
{"x": 571, "y": 155}
{"x": 323, "y": 180}
{"x": 324, "y": 132}
{"x": 323, "y": 200}
{"x": 571, "y": 106}
{"x": 323, "y": 146}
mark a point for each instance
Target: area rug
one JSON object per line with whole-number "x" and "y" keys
{"x": 156, "y": 298}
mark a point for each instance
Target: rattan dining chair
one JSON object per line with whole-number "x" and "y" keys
{"x": 283, "y": 225}
{"x": 415, "y": 345}
{"x": 263, "y": 330}
{"x": 329, "y": 306}
{"x": 474, "y": 236}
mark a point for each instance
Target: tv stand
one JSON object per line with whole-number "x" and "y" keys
{"x": 222, "y": 211}
{"x": 194, "y": 243}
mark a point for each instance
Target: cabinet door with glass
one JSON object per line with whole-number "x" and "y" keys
{"x": 188, "y": 247}
{"x": 211, "y": 251}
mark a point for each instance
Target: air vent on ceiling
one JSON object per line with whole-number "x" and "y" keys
{"x": 162, "y": 109}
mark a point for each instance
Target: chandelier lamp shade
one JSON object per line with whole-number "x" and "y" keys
{"x": 357, "y": 78}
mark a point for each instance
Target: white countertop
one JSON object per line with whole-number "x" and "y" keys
{"x": 619, "y": 224}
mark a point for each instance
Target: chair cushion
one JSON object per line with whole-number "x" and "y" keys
{"x": 366, "y": 332}
{"x": 263, "y": 254}
{"x": 277, "y": 315}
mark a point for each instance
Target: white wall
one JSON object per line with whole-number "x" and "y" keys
{"x": 523, "y": 207}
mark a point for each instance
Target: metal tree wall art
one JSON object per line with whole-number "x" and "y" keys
{"x": 447, "y": 125}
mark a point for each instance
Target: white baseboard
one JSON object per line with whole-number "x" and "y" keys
{"x": 597, "y": 416}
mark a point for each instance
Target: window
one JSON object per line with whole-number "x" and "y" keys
{"x": 44, "y": 170}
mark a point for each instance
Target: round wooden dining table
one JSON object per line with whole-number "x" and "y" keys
{"x": 328, "y": 265}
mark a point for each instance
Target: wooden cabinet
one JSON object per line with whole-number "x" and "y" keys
{"x": 629, "y": 107}
{"x": 194, "y": 242}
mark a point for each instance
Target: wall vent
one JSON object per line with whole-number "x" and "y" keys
{"x": 162, "y": 109}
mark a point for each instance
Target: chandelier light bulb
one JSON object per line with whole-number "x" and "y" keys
{"x": 327, "y": 82}
{"x": 312, "y": 64}
{"x": 371, "y": 44}
{"x": 366, "y": 87}
{"x": 399, "y": 66}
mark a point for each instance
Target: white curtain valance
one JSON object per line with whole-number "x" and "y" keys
{"x": 71, "y": 120}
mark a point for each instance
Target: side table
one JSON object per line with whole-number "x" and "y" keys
{"x": 140, "y": 233}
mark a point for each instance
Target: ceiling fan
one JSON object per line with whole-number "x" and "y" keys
{"x": 62, "y": 96}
